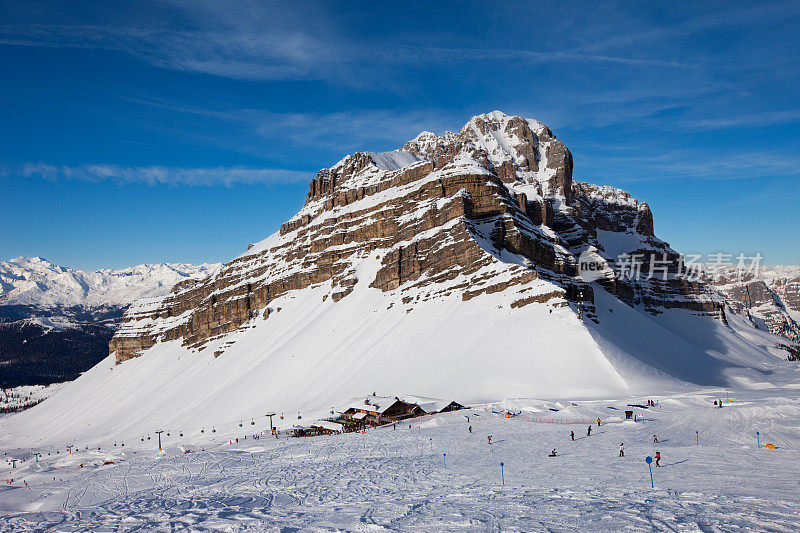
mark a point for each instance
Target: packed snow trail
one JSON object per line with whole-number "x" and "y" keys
{"x": 396, "y": 480}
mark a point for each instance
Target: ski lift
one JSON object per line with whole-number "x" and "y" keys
{"x": 142, "y": 439}
{"x": 148, "y": 437}
{"x": 181, "y": 435}
{"x": 298, "y": 416}
{"x": 252, "y": 422}
{"x": 281, "y": 416}
{"x": 202, "y": 430}
{"x": 123, "y": 444}
{"x": 115, "y": 443}
{"x": 240, "y": 423}
{"x": 331, "y": 410}
{"x": 213, "y": 429}
{"x": 167, "y": 433}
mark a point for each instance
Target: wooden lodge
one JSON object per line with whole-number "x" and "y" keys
{"x": 372, "y": 411}
{"x": 376, "y": 411}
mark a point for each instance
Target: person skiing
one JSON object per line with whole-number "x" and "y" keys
{"x": 598, "y": 422}
{"x": 490, "y": 440}
{"x": 470, "y": 429}
{"x": 589, "y": 432}
{"x": 572, "y": 435}
{"x": 658, "y": 458}
{"x": 622, "y": 450}
{"x": 553, "y": 453}
{"x": 655, "y": 438}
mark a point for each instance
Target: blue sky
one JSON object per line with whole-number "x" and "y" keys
{"x": 135, "y": 132}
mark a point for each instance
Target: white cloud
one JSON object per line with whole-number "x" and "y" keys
{"x": 158, "y": 175}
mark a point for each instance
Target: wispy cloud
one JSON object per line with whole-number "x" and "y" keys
{"x": 258, "y": 41}
{"x": 766, "y": 118}
{"x": 690, "y": 165}
{"x": 341, "y": 131}
{"x": 160, "y": 175}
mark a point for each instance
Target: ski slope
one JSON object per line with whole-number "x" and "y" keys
{"x": 400, "y": 480}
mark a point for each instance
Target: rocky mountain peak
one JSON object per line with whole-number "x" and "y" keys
{"x": 520, "y": 151}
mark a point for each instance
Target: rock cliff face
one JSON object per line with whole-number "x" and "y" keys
{"x": 770, "y": 298}
{"x": 490, "y": 208}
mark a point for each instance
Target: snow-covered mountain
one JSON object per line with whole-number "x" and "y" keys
{"x": 37, "y": 283}
{"x": 448, "y": 268}
{"x": 55, "y": 322}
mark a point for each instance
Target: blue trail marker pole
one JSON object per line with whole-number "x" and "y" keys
{"x": 502, "y": 475}
{"x": 697, "y": 433}
{"x": 649, "y": 460}
{"x": 431, "y": 443}
{"x": 758, "y": 437}
{"x": 444, "y": 458}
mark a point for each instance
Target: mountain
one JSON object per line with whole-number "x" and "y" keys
{"x": 770, "y": 296}
{"x": 56, "y": 322}
{"x": 454, "y": 267}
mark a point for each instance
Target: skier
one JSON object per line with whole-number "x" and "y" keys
{"x": 470, "y": 430}
{"x": 553, "y": 453}
{"x": 589, "y": 432}
{"x": 658, "y": 457}
{"x": 598, "y": 422}
{"x": 490, "y": 440}
{"x": 622, "y": 450}
{"x": 655, "y": 438}
{"x": 572, "y": 435}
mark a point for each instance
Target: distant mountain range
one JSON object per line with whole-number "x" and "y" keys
{"x": 56, "y": 322}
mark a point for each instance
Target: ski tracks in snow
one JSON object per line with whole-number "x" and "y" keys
{"x": 397, "y": 480}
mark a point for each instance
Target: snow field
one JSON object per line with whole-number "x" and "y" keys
{"x": 397, "y": 480}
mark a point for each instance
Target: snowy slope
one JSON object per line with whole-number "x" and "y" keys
{"x": 386, "y": 480}
{"x": 310, "y": 356}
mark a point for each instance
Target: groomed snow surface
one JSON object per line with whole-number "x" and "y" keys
{"x": 388, "y": 479}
